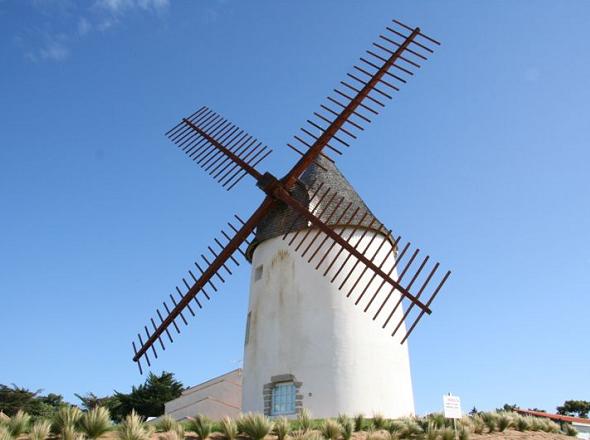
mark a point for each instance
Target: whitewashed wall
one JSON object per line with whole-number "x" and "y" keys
{"x": 301, "y": 324}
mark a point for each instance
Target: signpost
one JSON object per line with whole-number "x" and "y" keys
{"x": 452, "y": 408}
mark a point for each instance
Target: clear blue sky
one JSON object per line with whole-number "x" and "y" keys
{"x": 101, "y": 215}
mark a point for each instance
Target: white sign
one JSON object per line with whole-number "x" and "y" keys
{"x": 452, "y": 407}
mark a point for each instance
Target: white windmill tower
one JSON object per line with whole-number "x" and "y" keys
{"x": 306, "y": 343}
{"x": 326, "y": 326}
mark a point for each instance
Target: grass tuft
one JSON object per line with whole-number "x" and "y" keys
{"x": 304, "y": 421}
{"x": 200, "y": 425}
{"x": 282, "y": 428}
{"x": 40, "y": 430}
{"x": 66, "y": 417}
{"x": 255, "y": 426}
{"x": 18, "y": 423}
{"x": 229, "y": 428}
{"x": 359, "y": 422}
{"x": 330, "y": 429}
{"x": 95, "y": 422}
{"x": 134, "y": 428}
{"x": 379, "y": 421}
{"x": 569, "y": 430}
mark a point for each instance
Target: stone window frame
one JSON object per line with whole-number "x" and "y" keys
{"x": 267, "y": 393}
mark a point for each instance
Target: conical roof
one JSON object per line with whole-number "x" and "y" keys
{"x": 282, "y": 219}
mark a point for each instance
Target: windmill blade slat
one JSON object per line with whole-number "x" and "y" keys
{"x": 212, "y": 141}
{"x": 353, "y": 104}
{"x": 357, "y": 257}
{"x": 220, "y": 260}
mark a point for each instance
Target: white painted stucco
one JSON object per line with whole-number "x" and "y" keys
{"x": 301, "y": 324}
{"x": 216, "y": 398}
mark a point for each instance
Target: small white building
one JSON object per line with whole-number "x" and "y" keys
{"x": 580, "y": 424}
{"x": 215, "y": 398}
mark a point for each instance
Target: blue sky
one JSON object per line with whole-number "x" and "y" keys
{"x": 482, "y": 160}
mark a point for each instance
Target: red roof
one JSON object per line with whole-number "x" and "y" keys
{"x": 557, "y": 417}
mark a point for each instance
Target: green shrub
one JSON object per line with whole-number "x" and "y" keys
{"x": 521, "y": 423}
{"x": 342, "y": 419}
{"x": 412, "y": 429}
{"x": 478, "y": 424}
{"x": 40, "y": 430}
{"x": 489, "y": 420}
{"x": 551, "y": 426}
{"x": 464, "y": 434}
{"x": 569, "y": 430}
{"x": 282, "y": 428}
{"x": 503, "y": 421}
{"x": 305, "y": 435}
{"x": 395, "y": 427}
{"x": 18, "y": 423}
{"x": 304, "y": 421}
{"x": 330, "y": 429}
{"x": 229, "y": 428}
{"x": 359, "y": 422}
{"x": 447, "y": 434}
{"x": 430, "y": 431}
{"x": 166, "y": 424}
{"x": 438, "y": 419}
{"x": 69, "y": 433}
{"x": 255, "y": 426}
{"x": 95, "y": 422}
{"x": 379, "y": 421}
{"x": 134, "y": 428}
{"x": 4, "y": 433}
{"x": 200, "y": 425}
{"x": 66, "y": 417}
{"x": 347, "y": 428}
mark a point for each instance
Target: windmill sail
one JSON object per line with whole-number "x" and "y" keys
{"x": 222, "y": 149}
{"x": 387, "y": 66}
{"x": 199, "y": 285}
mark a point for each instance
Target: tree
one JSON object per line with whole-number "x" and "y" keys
{"x": 17, "y": 398}
{"x": 579, "y": 408}
{"x": 507, "y": 407}
{"x": 91, "y": 401}
{"x": 149, "y": 398}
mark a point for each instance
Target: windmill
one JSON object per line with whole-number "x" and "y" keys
{"x": 332, "y": 288}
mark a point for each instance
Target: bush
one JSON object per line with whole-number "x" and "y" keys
{"x": 40, "y": 430}
{"x": 478, "y": 424}
{"x": 304, "y": 420}
{"x": 4, "y": 434}
{"x": 521, "y": 423}
{"x": 438, "y": 419}
{"x": 379, "y": 421}
{"x": 229, "y": 428}
{"x": 503, "y": 421}
{"x": 411, "y": 430}
{"x": 255, "y": 426}
{"x": 464, "y": 434}
{"x": 18, "y": 423}
{"x": 282, "y": 428}
{"x": 66, "y": 417}
{"x": 166, "y": 424}
{"x": 359, "y": 422}
{"x": 489, "y": 420}
{"x": 330, "y": 429}
{"x": 569, "y": 430}
{"x": 95, "y": 422}
{"x": 447, "y": 434}
{"x": 200, "y": 425}
{"x": 347, "y": 428}
{"x": 430, "y": 432}
{"x": 134, "y": 428}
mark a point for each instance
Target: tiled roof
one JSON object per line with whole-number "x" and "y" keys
{"x": 557, "y": 417}
{"x": 282, "y": 218}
